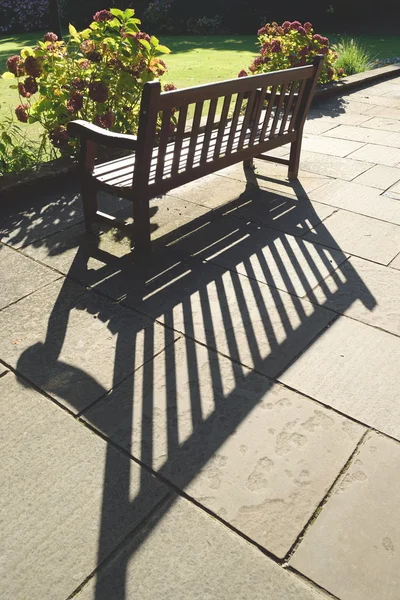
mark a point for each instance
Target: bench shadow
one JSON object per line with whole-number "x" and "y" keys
{"x": 225, "y": 285}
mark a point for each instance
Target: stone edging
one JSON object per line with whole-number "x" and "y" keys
{"x": 64, "y": 166}
{"x": 44, "y": 173}
{"x": 357, "y": 81}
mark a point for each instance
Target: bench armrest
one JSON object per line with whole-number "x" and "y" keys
{"x": 88, "y": 131}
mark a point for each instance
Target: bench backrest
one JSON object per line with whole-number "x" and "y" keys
{"x": 257, "y": 113}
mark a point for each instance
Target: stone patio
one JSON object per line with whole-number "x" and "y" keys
{"x": 219, "y": 421}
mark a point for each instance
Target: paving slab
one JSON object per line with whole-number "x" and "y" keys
{"x": 391, "y": 194}
{"x": 364, "y": 291}
{"x": 395, "y": 188}
{"x": 318, "y": 126}
{"x": 76, "y": 345}
{"x": 352, "y": 367}
{"x": 379, "y": 177}
{"x": 89, "y": 259}
{"x": 278, "y": 259}
{"x": 211, "y": 191}
{"x": 366, "y": 97}
{"x": 383, "y": 124}
{"x": 360, "y": 199}
{"x": 352, "y": 549}
{"x": 384, "y": 111}
{"x": 334, "y": 118}
{"x": 214, "y": 564}
{"x": 333, "y": 166}
{"x": 247, "y": 447}
{"x": 395, "y": 264}
{"x": 35, "y": 217}
{"x": 274, "y": 177}
{"x": 350, "y": 105}
{"x": 20, "y": 276}
{"x": 381, "y": 155}
{"x": 363, "y": 134}
{"x": 321, "y": 145}
{"x": 285, "y": 213}
{"x": 260, "y": 326}
{"x": 63, "y": 490}
{"x": 359, "y": 235}
{"x": 377, "y": 89}
{"x": 84, "y": 258}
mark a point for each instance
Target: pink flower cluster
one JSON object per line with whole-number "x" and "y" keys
{"x": 102, "y": 16}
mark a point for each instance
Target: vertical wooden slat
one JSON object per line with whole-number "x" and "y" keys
{"x": 278, "y": 110}
{"x": 235, "y": 119}
{"x": 268, "y": 113}
{"x": 287, "y": 108}
{"x": 179, "y": 139}
{"x": 209, "y": 128}
{"x": 145, "y": 144}
{"x": 246, "y": 120}
{"x": 222, "y": 126}
{"x": 297, "y": 105}
{"x": 194, "y": 134}
{"x": 256, "y": 116}
{"x": 162, "y": 146}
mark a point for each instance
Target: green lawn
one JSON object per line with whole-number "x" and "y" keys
{"x": 194, "y": 59}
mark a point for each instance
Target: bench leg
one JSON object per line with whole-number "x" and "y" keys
{"x": 141, "y": 226}
{"x": 249, "y": 163}
{"x": 89, "y": 201}
{"x": 294, "y": 160}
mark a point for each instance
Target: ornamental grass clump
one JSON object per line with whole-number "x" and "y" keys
{"x": 353, "y": 57}
{"x": 98, "y": 76}
{"x": 293, "y": 45}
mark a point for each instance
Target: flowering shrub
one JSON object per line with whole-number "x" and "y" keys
{"x": 292, "y": 45}
{"x": 98, "y": 76}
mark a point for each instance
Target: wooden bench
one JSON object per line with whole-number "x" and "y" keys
{"x": 258, "y": 113}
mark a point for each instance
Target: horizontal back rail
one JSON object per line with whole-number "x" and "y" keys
{"x": 169, "y": 100}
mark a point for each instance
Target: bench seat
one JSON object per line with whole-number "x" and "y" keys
{"x": 120, "y": 172}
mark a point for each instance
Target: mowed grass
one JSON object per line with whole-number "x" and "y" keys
{"x": 194, "y": 59}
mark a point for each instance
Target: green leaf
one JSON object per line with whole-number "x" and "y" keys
{"x": 25, "y": 52}
{"x": 114, "y": 24}
{"x": 13, "y": 87}
{"x": 94, "y": 25}
{"x": 145, "y": 44}
{"x": 117, "y": 12}
{"x": 154, "y": 41}
{"x": 7, "y": 75}
{"x": 163, "y": 49}
{"x": 129, "y": 13}
{"x": 6, "y": 137}
{"x": 131, "y": 27}
{"x": 72, "y": 30}
{"x": 85, "y": 34}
